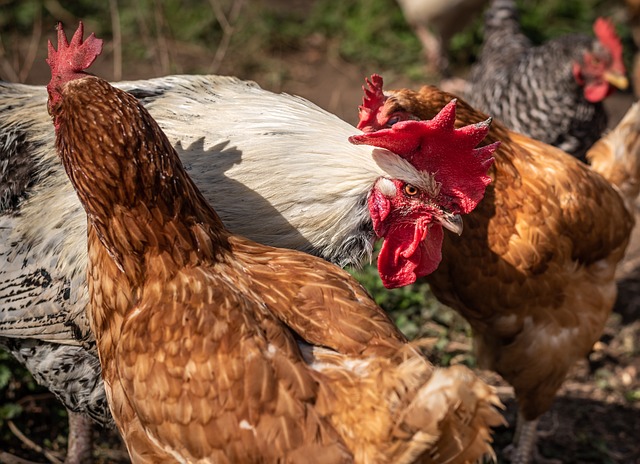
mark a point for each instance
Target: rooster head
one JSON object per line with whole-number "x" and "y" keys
{"x": 602, "y": 69}
{"x": 435, "y": 175}
{"x": 70, "y": 60}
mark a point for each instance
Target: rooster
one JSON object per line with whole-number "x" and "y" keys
{"x": 534, "y": 271}
{"x": 552, "y": 92}
{"x": 279, "y": 170}
{"x": 216, "y": 348}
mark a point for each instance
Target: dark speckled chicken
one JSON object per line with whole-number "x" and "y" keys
{"x": 552, "y": 92}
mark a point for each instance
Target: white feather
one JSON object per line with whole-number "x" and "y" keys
{"x": 277, "y": 168}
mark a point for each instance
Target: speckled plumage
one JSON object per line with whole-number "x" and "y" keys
{"x": 532, "y": 89}
{"x": 79, "y": 366}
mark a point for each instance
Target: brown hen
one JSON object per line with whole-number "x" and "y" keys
{"x": 533, "y": 272}
{"x": 217, "y": 349}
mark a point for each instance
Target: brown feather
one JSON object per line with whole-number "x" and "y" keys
{"x": 196, "y": 328}
{"x": 533, "y": 271}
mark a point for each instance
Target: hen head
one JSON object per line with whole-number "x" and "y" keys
{"x": 70, "y": 60}
{"x": 601, "y": 69}
{"x": 374, "y": 113}
{"x": 436, "y": 175}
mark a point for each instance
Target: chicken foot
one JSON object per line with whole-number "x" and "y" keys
{"x": 524, "y": 448}
{"x": 524, "y": 440}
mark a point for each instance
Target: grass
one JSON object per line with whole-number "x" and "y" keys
{"x": 372, "y": 33}
{"x": 419, "y": 314}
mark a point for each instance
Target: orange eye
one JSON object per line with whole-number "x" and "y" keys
{"x": 410, "y": 190}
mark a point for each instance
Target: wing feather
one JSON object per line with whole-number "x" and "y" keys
{"x": 217, "y": 368}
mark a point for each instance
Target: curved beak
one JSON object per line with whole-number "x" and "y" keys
{"x": 616, "y": 79}
{"x": 452, "y": 222}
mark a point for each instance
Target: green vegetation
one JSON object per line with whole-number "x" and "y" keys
{"x": 15, "y": 382}
{"x": 371, "y": 32}
{"x": 175, "y": 34}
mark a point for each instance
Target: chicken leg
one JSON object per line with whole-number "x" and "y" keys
{"x": 524, "y": 440}
{"x": 80, "y": 440}
{"x": 524, "y": 449}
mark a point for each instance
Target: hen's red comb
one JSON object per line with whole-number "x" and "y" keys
{"x": 74, "y": 57}
{"x": 437, "y": 147}
{"x": 372, "y": 101}
{"x": 605, "y": 31}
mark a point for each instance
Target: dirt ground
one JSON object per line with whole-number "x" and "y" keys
{"x": 594, "y": 419}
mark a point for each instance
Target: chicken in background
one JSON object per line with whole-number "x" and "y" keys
{"x": 214, "y": 347}
{"x": 552, "y": 92}
{"x": 279, "y": 170}
{"x": 534, "y": 271}
{"x": 632, "y": 8}
{"x": 616, "y": 156}
{"x": 435, "y": 22}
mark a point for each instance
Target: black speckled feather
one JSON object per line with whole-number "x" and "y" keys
{"x": 532, "y": 88}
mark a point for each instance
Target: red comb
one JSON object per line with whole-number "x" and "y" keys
{"x": 372, "y": 101}
{"x": 605, "y": 31}
{"x": 437, "y": 147}
{"x": 69, "y": 61}
{"x": 74, "y": 57}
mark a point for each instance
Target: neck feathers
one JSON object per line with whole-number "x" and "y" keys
{"x": 129, "y": 178}
{"x": 501, "y": 15}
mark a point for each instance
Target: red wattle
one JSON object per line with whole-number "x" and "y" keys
{"x": 408, "y": 253}
{"x": 597, "y": 92}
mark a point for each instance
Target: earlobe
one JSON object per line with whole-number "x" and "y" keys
{"x": 379, "y": 208}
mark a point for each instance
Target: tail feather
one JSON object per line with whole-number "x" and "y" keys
{"x": 404, "y": 410}
{"x": 465, "y": 409}
{"x": 501, "y": 14}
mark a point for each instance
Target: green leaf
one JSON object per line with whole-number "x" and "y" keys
{"x": 5, "y": 375}
{"x": 10, "y": 411}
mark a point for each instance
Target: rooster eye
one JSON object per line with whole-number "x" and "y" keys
{"x": 410, "y": 190}
{"x": 392, "y": 121}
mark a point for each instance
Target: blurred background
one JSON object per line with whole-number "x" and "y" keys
{"x": 322, "y": 50}
{"x": 319, "y": 49}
